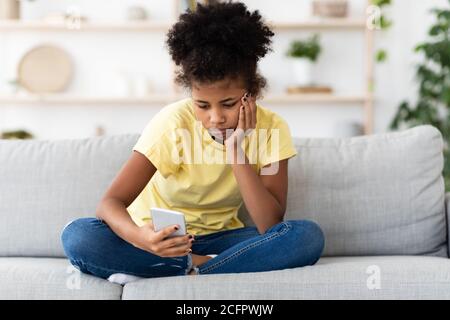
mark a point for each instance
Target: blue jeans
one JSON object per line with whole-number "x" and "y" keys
{"x": 94, "y": 248}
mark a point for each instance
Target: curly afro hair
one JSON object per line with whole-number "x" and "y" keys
{"x": 217, "y": 41}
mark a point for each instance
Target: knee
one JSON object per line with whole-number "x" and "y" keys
{"x": 310, "y": 236}
{"x": 77, "y": 235}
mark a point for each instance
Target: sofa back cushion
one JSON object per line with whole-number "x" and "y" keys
{"x": 45, "y": 184}
{"x": 373, "y": 195}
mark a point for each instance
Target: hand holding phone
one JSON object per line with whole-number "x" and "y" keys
{"x": 163, "y": 218}
{"x": 160, "y": 237}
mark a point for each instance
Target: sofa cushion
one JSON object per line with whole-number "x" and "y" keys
{"x": 382, "y": 277}
{"x": 45, "y": 184}
{"x": 373, "y": 195}
{"x": 51, "y": 278}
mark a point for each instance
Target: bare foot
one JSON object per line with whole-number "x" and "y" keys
{"x": 198, "y": 260}
{"x": 192, "y": 273}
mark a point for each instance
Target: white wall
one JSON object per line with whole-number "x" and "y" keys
{"x": 100, "y": 56}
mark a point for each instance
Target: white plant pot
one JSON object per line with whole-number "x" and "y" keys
{"x": 303, "y": 71}
{"x": 9, "y": 9}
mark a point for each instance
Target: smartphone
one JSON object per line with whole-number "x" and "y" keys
{"x": 162, "y": 218}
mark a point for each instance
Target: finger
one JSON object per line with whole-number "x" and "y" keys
{"x": 251, "y": 102}
{"x": 177, "y": 251}
{"x": 254, "y": 110}
{"x": 177, "y": 241}
{"x": 166, "y": 245}
{"x": 241, "y": 126}
{"x": 167, "y": 231}
{"x": 248, "y": 113}
{"x": 241, "y": 123}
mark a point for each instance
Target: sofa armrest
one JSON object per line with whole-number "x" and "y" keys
{"x": 447, "y": 210}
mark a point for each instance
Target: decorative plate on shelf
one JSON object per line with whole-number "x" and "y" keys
{"x": 45, "y": 69}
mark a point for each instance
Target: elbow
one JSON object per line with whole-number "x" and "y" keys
{"x": 261, "y": 231}
{"x": 99, "y": 212}
{"x": 98, "y": 215}
{"x": 279, "y": 214}
{"x": 107, "y": 205}
{"x": 277, "y": 219}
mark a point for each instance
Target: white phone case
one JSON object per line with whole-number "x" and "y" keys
{"x": 162, "y": 218}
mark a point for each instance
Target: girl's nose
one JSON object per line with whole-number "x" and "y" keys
{"x": 216, "y": 118}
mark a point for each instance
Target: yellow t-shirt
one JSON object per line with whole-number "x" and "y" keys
{"x": 193, "y": 175}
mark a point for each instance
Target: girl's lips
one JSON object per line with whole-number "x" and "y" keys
{"x": 220, "y": 133}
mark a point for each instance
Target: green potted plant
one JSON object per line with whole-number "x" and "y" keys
{"x": 433, "y": 74}
{"x": 382, "y": 23}
{"x": 16, "y": 134}
{"x": 304, "y": 54}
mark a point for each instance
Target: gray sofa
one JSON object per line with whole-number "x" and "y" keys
{"x": 380, "y": 200}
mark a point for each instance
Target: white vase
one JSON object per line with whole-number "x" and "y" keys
{"x": 9, "y": 9}
{"x": 303, "y": 71}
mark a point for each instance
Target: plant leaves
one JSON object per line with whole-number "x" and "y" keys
{"x": 381, "y": 55}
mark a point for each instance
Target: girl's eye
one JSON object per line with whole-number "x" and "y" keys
{"x": 225, "y": 105}
{"x": 229, "y": 105}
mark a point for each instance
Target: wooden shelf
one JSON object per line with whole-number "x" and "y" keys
{"x": 53, "y": 99}
{"x": 86, "y": 100}
{"x": 14, "y": 25}
{"x": 17, "y": 25}
{"x": 321, "y": 24}
{"x": 314, "y": 98}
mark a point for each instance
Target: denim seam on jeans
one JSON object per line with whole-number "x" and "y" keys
{"x": 287, "y": 227}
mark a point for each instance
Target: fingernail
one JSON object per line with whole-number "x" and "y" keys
{"x": 176, "y": 227}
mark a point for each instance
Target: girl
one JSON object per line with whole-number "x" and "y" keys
{"x": 198, "y": 156}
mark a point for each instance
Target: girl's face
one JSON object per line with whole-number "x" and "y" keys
{"x": 217, "y": 104}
